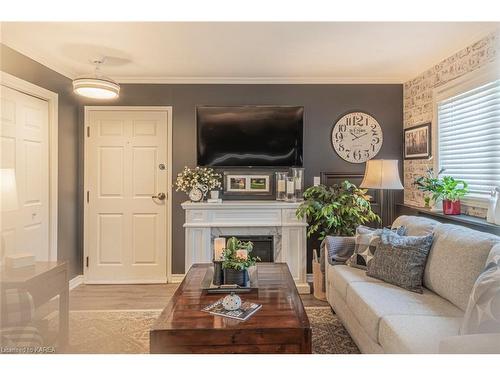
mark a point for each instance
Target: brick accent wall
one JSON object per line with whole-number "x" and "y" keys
{"x": 418, "y": 103}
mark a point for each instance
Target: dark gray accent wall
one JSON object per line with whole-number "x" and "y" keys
{"x": 69, "y": 235}
{"x": 323, "y": 105}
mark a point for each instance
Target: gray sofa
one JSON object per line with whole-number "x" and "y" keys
{"x": 382, "y": 318}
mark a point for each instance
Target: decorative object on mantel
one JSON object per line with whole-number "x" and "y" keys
{"x": 298, "y": 179}
{"x": 336, "y": 210}
{"x": 248, "y": 183}
{"x": 418, "y": 142}
{"x": 197, "y": 182}
{"x": 236, "y": 260}
{"x": 357, "y": 137}
{"x": 281, "y": 185}
{"x": 382, "y": 175}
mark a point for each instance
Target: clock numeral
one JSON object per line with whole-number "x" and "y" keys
{"x": 343, "y": 127}
{"x": 339, "y": 136}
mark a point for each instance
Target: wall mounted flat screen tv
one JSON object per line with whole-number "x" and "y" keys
{"x": 256, "y": 136}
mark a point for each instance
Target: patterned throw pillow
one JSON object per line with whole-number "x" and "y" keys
{"x": 400, "y": 260}
{"x": 366, "y": 241}
{"x": 483, "y": 311}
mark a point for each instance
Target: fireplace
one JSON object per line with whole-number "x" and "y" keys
{"x": 263, "y": 246}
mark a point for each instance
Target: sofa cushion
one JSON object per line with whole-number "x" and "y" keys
{"x": 366, "y": 241}
{"x": 457, "y": 257}
{"x": 483, "y": 311}
{"x": 370, "y": 302}
{"x": 340, "y": 276}
{"x": 416, "y": 333}
{"x": 415, "y": 225}
{"x": 400, "y": 260}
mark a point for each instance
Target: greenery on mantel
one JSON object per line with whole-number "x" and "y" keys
{"x": 336, "y": 210}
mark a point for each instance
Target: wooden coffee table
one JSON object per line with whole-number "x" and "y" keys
{"x": 280, "y": 326}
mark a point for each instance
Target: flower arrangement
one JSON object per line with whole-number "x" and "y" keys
{"x": 189, "y": 178}
{"x": 236, "y": 255}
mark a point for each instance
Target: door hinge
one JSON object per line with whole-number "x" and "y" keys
{"x": 87, "y": 262}
{"x": 88, "y": 131}
{"x": 88, "y": 196}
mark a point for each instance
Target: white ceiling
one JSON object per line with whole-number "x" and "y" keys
{"x": 336, "y": 52}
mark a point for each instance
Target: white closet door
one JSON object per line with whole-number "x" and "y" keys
{"x": 25, "y": 149}
{"x": 125, "y": 227}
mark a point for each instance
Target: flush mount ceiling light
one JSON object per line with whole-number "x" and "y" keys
{"x": 96, "y": 86}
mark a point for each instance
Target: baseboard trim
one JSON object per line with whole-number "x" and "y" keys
{"x": 75, "y": 281}
{"x": 176, "y": 278}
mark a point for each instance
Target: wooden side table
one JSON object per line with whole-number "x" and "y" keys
{"x": 43, "y": 281}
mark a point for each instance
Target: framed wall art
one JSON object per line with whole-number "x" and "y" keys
{"x": 417, "y": 142}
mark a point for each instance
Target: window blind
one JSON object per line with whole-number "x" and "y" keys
{"x": 469, "y": 137}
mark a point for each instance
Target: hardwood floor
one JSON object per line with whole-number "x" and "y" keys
{"x": 137, "y": 297}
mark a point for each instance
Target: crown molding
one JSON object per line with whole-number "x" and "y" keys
{"x": 260, "y": 80}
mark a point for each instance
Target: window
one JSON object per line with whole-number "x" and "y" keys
{"x": 469, "y": 135}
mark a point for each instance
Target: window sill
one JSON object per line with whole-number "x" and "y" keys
{"x": 466, "y": 220}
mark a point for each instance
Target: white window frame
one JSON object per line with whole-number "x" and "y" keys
{"x": 467, "y": 82}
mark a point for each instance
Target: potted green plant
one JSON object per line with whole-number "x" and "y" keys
{"x": 430, "y": 185}
{"x": 336, "y": 210}
{"x": 452, "y": 191}
{"x": 236, "y": 260}
{"x": 447, "y": 188}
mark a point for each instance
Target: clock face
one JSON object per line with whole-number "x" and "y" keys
{"x": 357, "y": 137}
{"x": 195, "y": 194}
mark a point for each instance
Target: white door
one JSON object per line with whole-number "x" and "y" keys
{"x": 25, "y": 154}
{"x": 125, "y": 166}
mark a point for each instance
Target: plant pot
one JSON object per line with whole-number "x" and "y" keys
{"x": 238, "y": 277}
{"x": 451, "y": 207}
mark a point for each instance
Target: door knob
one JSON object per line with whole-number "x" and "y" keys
{"x": 160, "y": 196}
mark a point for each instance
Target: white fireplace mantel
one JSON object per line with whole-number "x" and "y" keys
{"x": 204, "y": 221}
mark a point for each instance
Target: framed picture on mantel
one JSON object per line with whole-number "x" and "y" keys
{"x": 248, "y": 185}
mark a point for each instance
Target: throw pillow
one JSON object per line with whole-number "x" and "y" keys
{"x": 336, "y": 250}
{"x": 483, "y": 311}
{"x": 400, "y": 260}
{"x": 366, "y": 241}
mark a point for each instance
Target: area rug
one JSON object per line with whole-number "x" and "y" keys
{"x": 127, "y": 331}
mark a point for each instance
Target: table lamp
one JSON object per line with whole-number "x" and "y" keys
{"x": 382, "y": 175}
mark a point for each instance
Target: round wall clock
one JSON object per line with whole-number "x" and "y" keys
{"x": 357, "y": 137}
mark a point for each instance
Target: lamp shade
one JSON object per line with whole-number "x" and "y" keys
{"x": 8, "y": 190}
{"x": 381, "y": 174}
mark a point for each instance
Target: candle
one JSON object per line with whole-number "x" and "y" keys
{"x": 219, "y": 246}
{"x": 290, "y": 187}
{"x": 281, "y": 186}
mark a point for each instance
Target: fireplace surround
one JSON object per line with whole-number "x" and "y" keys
{"x": 271, "y": 219}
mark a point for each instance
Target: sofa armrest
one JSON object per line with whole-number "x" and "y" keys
{"x": 485, "y": 343}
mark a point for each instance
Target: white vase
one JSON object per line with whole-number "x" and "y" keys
{"x": 214, "y": 194}
{"x": 492, "y": 203}
{"x": 438, "y": 205}
{"x": 497, "y": 206}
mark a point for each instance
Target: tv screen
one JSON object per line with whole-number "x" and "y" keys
{"x": 257, "y": 136}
